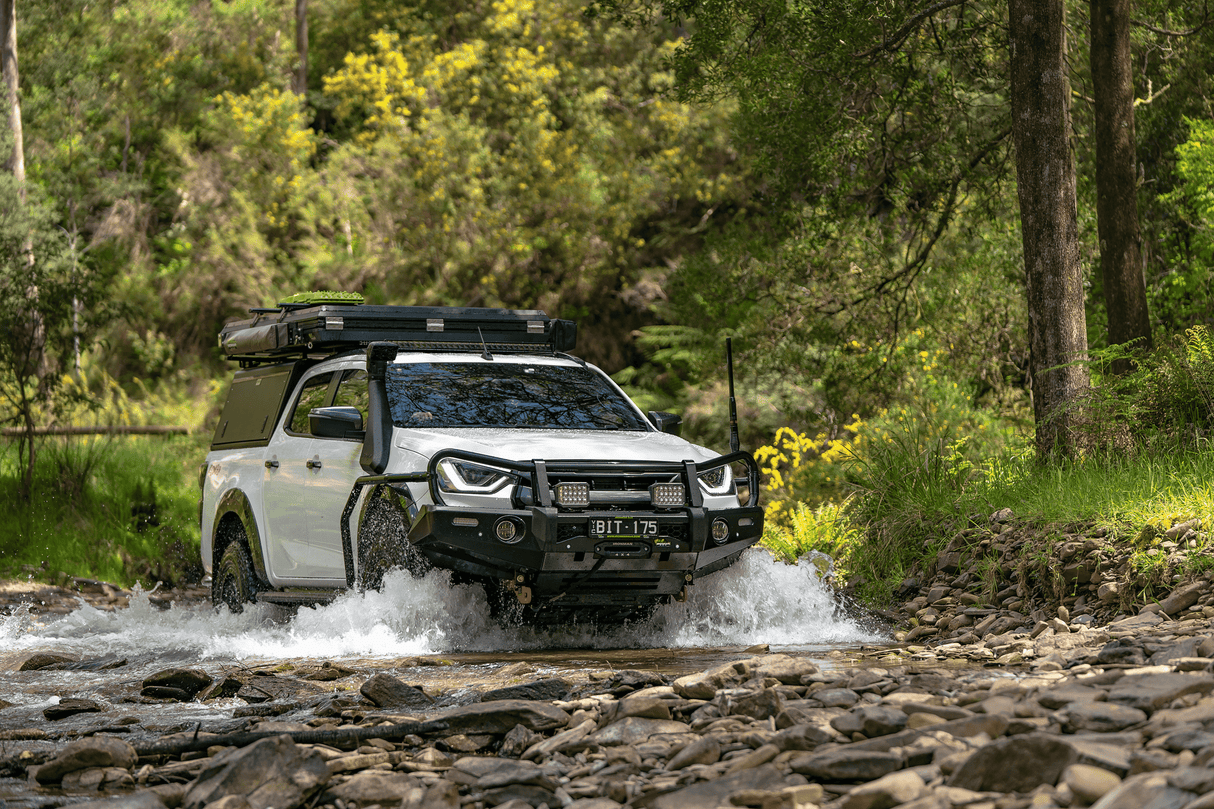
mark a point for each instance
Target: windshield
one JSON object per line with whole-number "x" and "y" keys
{"x": 506, "y": 395}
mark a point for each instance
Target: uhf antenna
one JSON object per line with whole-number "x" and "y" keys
{"x": 485, "y": 355}
{"x": 734, "y": 444}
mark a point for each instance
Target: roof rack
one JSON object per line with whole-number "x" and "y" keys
{"x": 339, "y": 323}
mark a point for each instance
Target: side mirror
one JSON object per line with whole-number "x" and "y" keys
{"x": 335, "y": 422}
{"x": 666, "y": 422}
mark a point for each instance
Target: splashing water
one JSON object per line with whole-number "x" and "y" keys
{"x": 757, "y": 600}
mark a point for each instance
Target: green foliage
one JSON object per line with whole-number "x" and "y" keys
{"x": 118, "y": 509}
{"x": 535, "y": 161}
{"x": 54, "y": 302}
{"x": 1167, "y": 402}
{"x": 825, "y": 529}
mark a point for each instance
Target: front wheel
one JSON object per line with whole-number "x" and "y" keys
{"x": 233, "y": 583}
{"x": 383, "y": 544}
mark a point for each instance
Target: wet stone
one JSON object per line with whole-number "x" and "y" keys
{"x": 72, "y": 706}
{"x": 190, "y": 682}
{"x": 387, "y": 691}
{"x": 42, "y": 660}
{"x": 95, "y": 751}
{"x": 549, "y": 689}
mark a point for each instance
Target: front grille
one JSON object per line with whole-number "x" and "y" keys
{"x": 622, "y": 491}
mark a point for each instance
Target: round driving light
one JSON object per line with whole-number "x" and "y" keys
{"x": 720, "y": 530}
{"x": 507, "y": 531}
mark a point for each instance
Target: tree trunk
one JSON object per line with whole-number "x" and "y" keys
{"x": 299, "y": 82}
{"x": 1125, "y": 294}
{"x": 34, "y": 342}
{"x": 1045, "y": 175}
{"x": 8, "y": 67}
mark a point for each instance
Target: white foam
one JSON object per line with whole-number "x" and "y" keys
{"x": 758, "y": 600}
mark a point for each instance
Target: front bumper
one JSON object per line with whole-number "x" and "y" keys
{"x": 555, "y": 553}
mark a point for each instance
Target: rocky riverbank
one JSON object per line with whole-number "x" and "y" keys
{"x": 1121, "y": 716}
{"x": 1034, "y": 667}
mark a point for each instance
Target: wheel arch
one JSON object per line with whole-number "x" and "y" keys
{"x": 235, "y": 511}
{"x": 381, "y": 495}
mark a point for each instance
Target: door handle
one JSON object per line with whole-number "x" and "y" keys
{"x": 272, "y": 463}
{"x": 314, "y": 463}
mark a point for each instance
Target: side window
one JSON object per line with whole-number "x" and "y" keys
{"x": 313, "y": 394}
{"x": 352, "y": 391}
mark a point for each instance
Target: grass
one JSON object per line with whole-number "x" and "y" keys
{"x": 121, "y": 509}
{"x": 910, "y": 503}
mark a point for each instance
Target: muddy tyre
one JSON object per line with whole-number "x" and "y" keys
{"x": 233, "y": 583}
{"x": 383, "y": 544}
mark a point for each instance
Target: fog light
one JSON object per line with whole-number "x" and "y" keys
{"x": 720, "y": 530}
{"x": 667, "y": 495}
{"x": 572, "y": 495}
{"x": 507, "y": 530}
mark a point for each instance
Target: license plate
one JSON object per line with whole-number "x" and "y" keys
{"x": 627, "y": 527}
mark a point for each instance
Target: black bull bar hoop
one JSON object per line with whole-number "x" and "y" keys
{"x": 538, "y": 472}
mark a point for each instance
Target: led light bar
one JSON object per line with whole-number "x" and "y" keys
{"x": 667, "y": 495}
{"x": 572, "y": 495}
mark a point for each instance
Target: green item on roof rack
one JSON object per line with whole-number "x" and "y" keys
{"x": 321, "y": 298}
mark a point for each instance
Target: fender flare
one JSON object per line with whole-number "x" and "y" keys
{"x": 236, "y": 502}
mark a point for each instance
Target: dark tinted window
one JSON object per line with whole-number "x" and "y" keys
{"x": 501, "y": 395}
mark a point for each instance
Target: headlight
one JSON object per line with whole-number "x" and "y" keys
{"x": 464, "y": 477}
{"x": 718, "y": 481}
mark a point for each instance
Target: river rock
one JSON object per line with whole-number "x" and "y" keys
{"x": 501, "y": 716}
{"x": 1089, "y": 783}
{"x": 1100, "y": 717}
{"x": 706, "y": 750}
{"x": 871, "y": 720}
{"x": 563, "y": 740}
{"x": 272, "y": 772}
{"x": 94, "y": 751}
{"x": 847, "y": 764}
{"x": 146, "y": 799}
{"x": 389, "y": 692}
{"x": 373, "y": 787}
{"x": 889, "y": 790}
{"x": 716, "y": 792}
{"x": 42, "y": 660}
{"x": 757, "y": 704}
{"x": 1149, "y": 692}
{"x": 1147, "y": 790}
{"x": 550, "y": 689}
{"x": 186, "y": 682}
{"x": 633, "y": 729}
{"x": 72, "y": 706}
{"x": 1016, "y": 764}
{"x": 705, "y": 684}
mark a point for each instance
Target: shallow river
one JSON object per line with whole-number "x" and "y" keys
{"x": 425, "y": 631}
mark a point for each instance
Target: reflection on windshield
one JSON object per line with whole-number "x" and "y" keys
{"x": 488, "y": 395}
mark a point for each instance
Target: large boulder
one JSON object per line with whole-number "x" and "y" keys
{"x": 94, "y": 751}
{"x": 272, "y": 772}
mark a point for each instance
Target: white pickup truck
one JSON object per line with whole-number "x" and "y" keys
{"x": 356, "y": 439}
